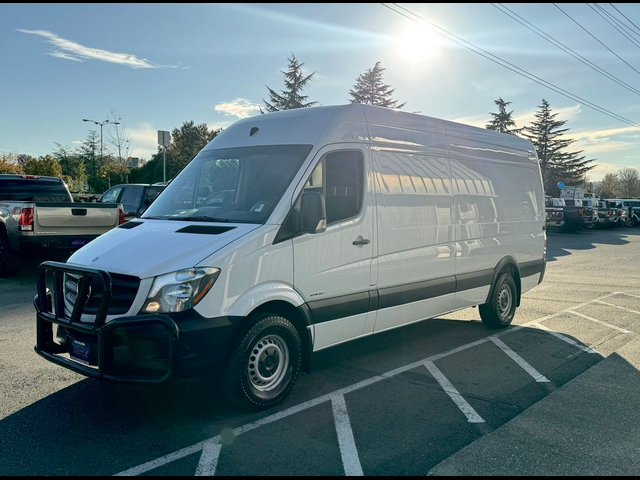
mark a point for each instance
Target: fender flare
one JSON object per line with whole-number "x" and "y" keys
{"x": 504, "y": 262}
{"x": 257, "y": 296}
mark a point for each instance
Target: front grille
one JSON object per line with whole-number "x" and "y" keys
{"x": 125, "y": 289}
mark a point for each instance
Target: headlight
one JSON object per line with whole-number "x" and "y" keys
{"x": 180, "y": 291}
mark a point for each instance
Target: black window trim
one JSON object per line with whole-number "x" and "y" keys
{"x": 362, "y": 189}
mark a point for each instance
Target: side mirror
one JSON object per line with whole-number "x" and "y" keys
{"x": 313, "y": 214}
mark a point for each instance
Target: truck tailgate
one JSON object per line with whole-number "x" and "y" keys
{"x": 75, "y": 218}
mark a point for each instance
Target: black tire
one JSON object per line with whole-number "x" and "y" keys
{"x": 8, "y": 261}
{"x": 274, "y": 339}
{"x": 632, "y": 222}
{"x": 499, "y": 311}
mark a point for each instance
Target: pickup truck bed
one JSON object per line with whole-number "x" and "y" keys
{"x": 39, "y": 219}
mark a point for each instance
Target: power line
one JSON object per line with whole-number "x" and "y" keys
{"x": 509, "y": 66}
{"x": 616, "y": 20}
{"x": 600, "y": 11}
{"x": 560, "y": 45}
{"x": 628, "y": 19}
{"x": 596, "y": 38}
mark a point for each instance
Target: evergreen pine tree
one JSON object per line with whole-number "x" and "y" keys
{"x": 291, "y": 97}
{"x": 503, "y": 121}
{"x": 371, "y": 90}
{"x": 557, "y": 164}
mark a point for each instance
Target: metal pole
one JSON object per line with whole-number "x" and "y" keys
{"x": 164, "y": 163}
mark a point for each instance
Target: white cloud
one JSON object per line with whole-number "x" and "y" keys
{"x": 239, "y": 107}
{"x": 70, "y": 50}
{"x": 607, "y": 140}
{"x": 522, "y": 120}
{"x": 65, "y": 56}
{"x": 601, "y": 169}
{"x": 144, "y": 140}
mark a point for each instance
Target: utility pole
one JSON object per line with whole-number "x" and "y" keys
{"x": 164, "y": 140}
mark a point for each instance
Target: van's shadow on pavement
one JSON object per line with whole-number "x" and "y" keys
{"x": 96, "y": 428}
{"x": 561, "y": 244}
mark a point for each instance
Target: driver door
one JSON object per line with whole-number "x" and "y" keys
{"x": 333, "y": 269}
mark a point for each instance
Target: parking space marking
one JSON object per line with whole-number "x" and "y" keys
{"x": 595, "y": 320}
{"x": 208, "y": 451}
{"x": 564, "y": 338}
{"x": 630, "y": 294}
{"x": 449, "y": 389}
{"x": 159, "y": 462}
{"x": 348, "y": 449}
{"x": 618, "y": 306}
{"x": 209, "y": 460}
{"x": 537, "y": 376}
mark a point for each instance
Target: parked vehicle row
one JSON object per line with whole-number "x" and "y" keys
{"x": 571, "y": 215}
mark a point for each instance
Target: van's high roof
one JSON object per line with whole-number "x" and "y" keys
{"x": 361, "y": 123}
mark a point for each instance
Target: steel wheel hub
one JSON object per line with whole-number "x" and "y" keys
{"x": 268, "y": 363}
{"x": 504, "y": 301}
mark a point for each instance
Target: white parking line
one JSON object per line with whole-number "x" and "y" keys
{"x": 348, "y": 449}
{"x": 208, "y": 451}
{"x": 595, "y": 320}
{"x": 537, "y": 376}
{"x": 630, "y": 294}
{"x": 564, "y": 338}
{"x": 617, "y": 306}
{"x": 209, "y": 460}
{"x": 463, "y": 405}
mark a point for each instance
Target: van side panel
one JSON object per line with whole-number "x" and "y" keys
{"x": 499, "y": 211}
{"x": 416, "y": 260}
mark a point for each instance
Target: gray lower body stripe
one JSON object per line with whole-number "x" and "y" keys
{"x": 329, "y": 309}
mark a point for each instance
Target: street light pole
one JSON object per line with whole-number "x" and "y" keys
{"x": 102, "y": 124}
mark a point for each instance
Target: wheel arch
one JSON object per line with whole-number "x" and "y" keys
{"x": 507, "y": 264}
{"x": 300, "y": 316}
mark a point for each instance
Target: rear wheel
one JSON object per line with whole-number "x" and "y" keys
{"x": 264, "y": 364}
{"x": 499, "y": 311}
{"x": 8, "y": 262}
{"x": 632, "y": 221}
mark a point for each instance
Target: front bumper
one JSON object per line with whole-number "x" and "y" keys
{"x": 43, "y": 246}
{"x": 137, "y": 349}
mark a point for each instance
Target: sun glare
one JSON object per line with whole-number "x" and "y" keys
{"x": 416, "y": 44}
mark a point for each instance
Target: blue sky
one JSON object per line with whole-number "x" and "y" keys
{"x": 159, "y": 65}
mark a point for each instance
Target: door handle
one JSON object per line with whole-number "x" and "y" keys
{"x": 361, "y": 241}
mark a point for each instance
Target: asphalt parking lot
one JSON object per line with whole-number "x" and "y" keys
{"x": 442, "y": 396}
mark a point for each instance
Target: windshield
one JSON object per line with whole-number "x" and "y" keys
{"x": 238, "y": 185}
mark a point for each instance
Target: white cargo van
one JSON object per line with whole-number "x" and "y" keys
{"x": 293, "y": 232}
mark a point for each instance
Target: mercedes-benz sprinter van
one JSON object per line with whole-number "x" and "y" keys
{"x": 291, "y": 233}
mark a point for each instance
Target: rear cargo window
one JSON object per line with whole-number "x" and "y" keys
{"x": 33, "y": 190}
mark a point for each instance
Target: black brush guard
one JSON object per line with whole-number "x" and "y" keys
{"x": 50, "y": 308}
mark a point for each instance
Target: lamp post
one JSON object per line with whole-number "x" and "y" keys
{"x": 102, "y": 124}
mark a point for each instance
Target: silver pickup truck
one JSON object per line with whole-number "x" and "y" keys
{"x": 39, "y": 218}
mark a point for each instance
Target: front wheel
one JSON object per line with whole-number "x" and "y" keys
{"x": 264, "y": 364}
{"x": 632, "y": 222}
{"x": 499, "y": 311}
